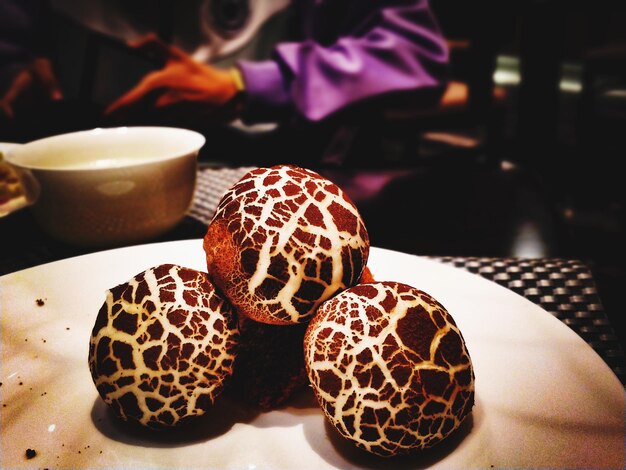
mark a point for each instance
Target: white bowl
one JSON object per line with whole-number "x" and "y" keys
{"x": 108, "y": 187}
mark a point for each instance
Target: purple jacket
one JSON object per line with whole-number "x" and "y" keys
{"x": 353, "y": 50}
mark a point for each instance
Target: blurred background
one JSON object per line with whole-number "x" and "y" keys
{"x": 525, "y": 158}
{"x": 521, "y": 158}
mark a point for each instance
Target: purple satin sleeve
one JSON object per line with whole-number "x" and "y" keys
{"x": 396, "y": 48}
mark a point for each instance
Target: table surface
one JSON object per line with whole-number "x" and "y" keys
{"x": 563, "y": 287}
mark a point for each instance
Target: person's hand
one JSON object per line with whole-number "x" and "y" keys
{"x": 33, "y": 83}
{"x": 184, "y": 91}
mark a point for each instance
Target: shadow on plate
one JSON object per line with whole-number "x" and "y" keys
{"x": 216, "y": 422}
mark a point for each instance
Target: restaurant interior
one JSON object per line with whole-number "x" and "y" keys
{"x": 536, "y": 171}
{"x": 514, "y": 175}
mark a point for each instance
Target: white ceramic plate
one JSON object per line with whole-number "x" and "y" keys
{"x": 544, "y": 398}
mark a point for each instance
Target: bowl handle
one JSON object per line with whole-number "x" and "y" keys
{"x": 18, "y": 188}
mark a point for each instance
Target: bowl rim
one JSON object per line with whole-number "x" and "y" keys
{"x": 13, "y": 153}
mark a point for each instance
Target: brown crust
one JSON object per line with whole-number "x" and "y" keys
{"x": 389, "y": 367}
{"x": 163, "y": 346}
{"x": 222, "y": 258}
{"x": 284, "y": 239}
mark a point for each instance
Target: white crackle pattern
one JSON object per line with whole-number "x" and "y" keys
{"x": 389, "y": 367}
{"x": 297, "y": 239}
{"x": 162, "y": 346}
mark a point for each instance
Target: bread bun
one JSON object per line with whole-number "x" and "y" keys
{"x": 283, "y": 240}
{"x": 269, "y": 368}
{"x": 162, "y": 346}
{"x": 389, "y": 367}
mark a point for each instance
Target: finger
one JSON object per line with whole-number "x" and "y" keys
{"x": 142, "y": 41}
{"x": 137, "y": 110}
{"x": 125, "y": 105}
{"x": 166, "y": 99}
{"x": 22, "y": 82}
{"x": 178, "y": 100}
{"x": 152, "y": 46}
{"x": 6, "y": 110}
{"x": 135, "y": 96}
{"x": 43, "y": 69}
